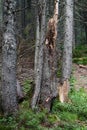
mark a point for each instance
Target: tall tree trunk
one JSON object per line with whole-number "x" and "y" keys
{"x": 49, "y": 83}
{"x": 40, "y": 38}
{"x": 86, "y": 32}
{"x": 67, "y": 51}
{"x": 0, "y": 47}
{"x": 0, "y": 63}
{"x": 23, "y": 13}
{"x": 0, "y": 13}
{"x": 45, "y": 60}
{"x": 9, "y": 57}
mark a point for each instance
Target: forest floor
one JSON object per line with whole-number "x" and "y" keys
{"x": 25, "y": 69}
{"x": 26, "y": 72}
{"x": 80, "y": 74}
{"x": 63, "y": 116}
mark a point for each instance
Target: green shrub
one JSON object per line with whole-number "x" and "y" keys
{"x": 27, "y": 86}
{"x": 82, "y": 60}
{"x": 28, "y": 89}
{"x": 53, "y": 118}
{"x": 7, "y": 123}
{"x": 2, "y": 127}
{"x": 80, "y": 51}
{"x": 64, "y": 116}
{"x": 77, "y": 53}
{"x": 68, "y": 116}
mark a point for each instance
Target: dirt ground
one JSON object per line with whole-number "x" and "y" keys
{"x": 80, "y": 75}
{"x": 25, "y": 64}
{"x": 26, "y": 71}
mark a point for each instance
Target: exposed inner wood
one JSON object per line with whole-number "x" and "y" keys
{"x": 63, "y": 90}
{"x": 52, "y": 29}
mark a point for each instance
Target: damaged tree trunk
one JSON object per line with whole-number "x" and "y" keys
{"x": 67, "y": 52}
{"x": 49, "y": 83}
{"x": 45, "y": 60}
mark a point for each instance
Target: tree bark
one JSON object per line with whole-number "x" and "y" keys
{"x": 23, "y": 14}
{"x": 40, "y": 38}
{"x": 49, "y": 79}
{"x": 0, "y": 13}
{"x": 0, "y": 64}
{"x": 9, "y": 58}
{"x": 20, "y": 93}
{"x": 67, "y": 51}
{"x": 45, "y": 61}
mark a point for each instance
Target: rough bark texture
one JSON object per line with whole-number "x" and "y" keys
{"x": 68, "y": 40}
{"x": 40, "y": 38}
{"x": 20, "y": 93}
{"x": 49, "y": 86}
{"x": 9, "y": 57}
{"x": 67, "y": 51}
{"x": 45, "y": 60}
{"x": 23, "y": 13}
{"x": 1, "y": 11}
{"x": 0, "y": 63}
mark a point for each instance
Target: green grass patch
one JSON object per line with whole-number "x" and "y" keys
{"x": 64, "y": 116}
{"x": 82, "y": 60}
{"x": 80, "y": 55}
{"x": 73, "y": 115}
{"x": 80, "y": 51}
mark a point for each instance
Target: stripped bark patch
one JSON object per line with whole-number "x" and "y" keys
{"x": 63, "y": 90}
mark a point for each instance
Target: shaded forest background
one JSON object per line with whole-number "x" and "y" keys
{"x": 26, "y": 27}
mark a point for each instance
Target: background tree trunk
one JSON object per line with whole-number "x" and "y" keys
{"x": 40, "y": 38}
{"x": 0, "y": 47}
{"x": 9, "y": 57}
{"x": 67, "y": 51}
{"x": 23, "y": 13}
{"x": 0, "y": 63}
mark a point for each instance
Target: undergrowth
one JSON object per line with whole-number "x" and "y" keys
{"x": 63, "y": 116}
{"x": 80, "y": 55}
